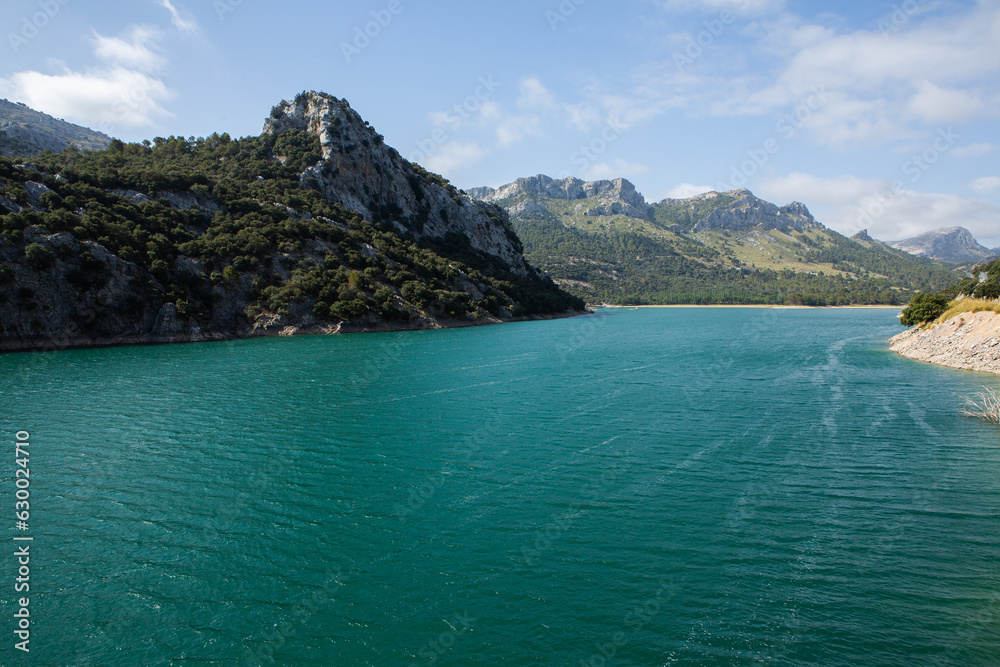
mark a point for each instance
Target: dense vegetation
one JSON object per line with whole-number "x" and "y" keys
{"x": 984, "y": 284}
{"x": 631, "y": 268}
{"x": 216, "y": 219}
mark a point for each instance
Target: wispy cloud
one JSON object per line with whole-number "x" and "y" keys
{"x": 848, "y": 203}
{"x": 883, "y": 86}
{"x": 454, "y": 156}
{"x": 986, "y": 184}
{"x": 181, "y": 19}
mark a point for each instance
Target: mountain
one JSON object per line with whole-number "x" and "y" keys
{"x": 26, "y": 132}
{"x": 952, "y": 244}
{"x": 315, "y": 226}
{"x": 604, "y": 243}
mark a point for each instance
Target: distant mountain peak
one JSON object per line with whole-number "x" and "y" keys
{"x": 948, "y": 244}
{"x": 618, "y": 196}
{"x": 25, "y": 132}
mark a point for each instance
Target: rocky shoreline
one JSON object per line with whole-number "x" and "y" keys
{"x": 969, "y": 341}
{"x": 56, "y": 343}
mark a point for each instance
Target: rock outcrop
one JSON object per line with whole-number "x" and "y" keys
{"x": 361, "y": 172}
{"x": 750, "y": 212}
{"x": 618, "y": 197}
{"x": 951, "y": 244}
{"x": 970, "y": 341}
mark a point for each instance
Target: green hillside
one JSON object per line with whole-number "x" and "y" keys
{"x": 679, "y": 253}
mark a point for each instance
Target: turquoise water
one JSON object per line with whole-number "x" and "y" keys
{"x": 655, "y": 487}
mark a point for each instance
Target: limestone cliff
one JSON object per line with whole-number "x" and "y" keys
{"x": 617, "y": 197}
{"x": 364, "y": 174}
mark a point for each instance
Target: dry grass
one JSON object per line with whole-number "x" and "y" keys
{"x": 985, "y": 405}
{"x": 969, "y": 306}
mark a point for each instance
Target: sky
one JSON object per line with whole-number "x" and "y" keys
{"x": 878, "y": 115}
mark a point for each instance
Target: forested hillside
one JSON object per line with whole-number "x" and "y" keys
{"x": 181, "y": 239}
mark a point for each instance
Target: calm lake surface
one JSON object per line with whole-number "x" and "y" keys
{"x": 654, "y": 487}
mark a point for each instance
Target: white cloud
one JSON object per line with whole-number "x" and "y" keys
{"x": 974, "y": 150}
{"x": 687, "y": 190}
{"x": 735, "y": 6}
{"x": 534, "y": 95}
{"x": 940, "y": 105}
{"x": 454, "y": 156}
{"x": 934, "y": 69}
{"x": 618, "y": 169}
{"x": 125, "y": 92}
{"x": 517, "y": 129}
{"x": 105, "y": 100}
{"x": 849, "y": 204}
{"x": 181, "y": 19}
{"x": 137, "y": 51}
{"x": 986, "y": 184}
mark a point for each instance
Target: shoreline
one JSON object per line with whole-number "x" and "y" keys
{"x": 968, "y": 342}
{"x": 749, "y": 305}
{"x": 47, "y": 345}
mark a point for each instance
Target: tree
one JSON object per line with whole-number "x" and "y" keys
{"x": 923, "y": 308}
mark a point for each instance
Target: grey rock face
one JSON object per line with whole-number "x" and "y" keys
{"x": 951, "y": 244}
{"x": 362, "y": 173}
{"x": 750, "y": 212}
{"x": 620, "y": 195}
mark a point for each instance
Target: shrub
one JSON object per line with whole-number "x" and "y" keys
{"x": 39, "y": 256}
{"x": 349, "y": 310}
{"x": 923, "y": 308}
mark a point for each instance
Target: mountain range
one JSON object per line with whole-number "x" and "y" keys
{"x": 26, "y": 132}
{"x": 315, "y": 226}
{"x": 603, "y": 241}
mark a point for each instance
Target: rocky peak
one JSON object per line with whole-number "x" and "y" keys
{"x": 749, "y": 211}
{"x": 361, "y": 172}
{"x": 863, "y": 236}
{"x": 950, "y": 244}
{"x": 618, "y": 197}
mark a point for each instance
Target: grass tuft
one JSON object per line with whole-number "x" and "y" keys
{"x": 985, "y": 405}
{"x": 969, "y": 306}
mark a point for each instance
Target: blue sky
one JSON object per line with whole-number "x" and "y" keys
{"x": 878, "y": 115}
